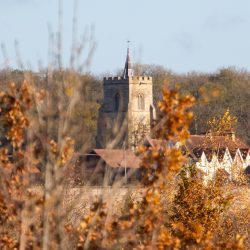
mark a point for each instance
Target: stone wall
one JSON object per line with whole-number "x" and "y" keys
{"x": 81, "y": 199}
{"x": 139, "y": 118}
{"x": 78, "y": 200}
{"x": 116, "y": 125}
{"x": 112, "y": 119}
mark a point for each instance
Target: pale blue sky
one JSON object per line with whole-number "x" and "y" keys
{"x": 182, "y": 35}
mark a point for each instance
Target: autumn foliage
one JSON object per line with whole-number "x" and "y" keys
{"x": 176, "y": 211}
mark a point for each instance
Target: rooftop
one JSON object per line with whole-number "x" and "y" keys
{"x": 116, "y": 158}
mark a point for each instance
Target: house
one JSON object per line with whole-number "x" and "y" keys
{"x": 126, "y": 118}
{"x": 221, "y": 152}
{"x": 106, "y": 166}
{"x": 213, "y": 154}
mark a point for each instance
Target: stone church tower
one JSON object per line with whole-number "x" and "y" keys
{"x": 127, "y": 112}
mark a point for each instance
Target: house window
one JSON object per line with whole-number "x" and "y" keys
{"x": 117, "y": 103}
{"x": 141, "y": 102}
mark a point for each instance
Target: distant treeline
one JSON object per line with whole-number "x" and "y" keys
{"x": 228, "y": 88}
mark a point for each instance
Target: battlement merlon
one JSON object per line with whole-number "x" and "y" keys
{"x": 115, "y": 80}
{"x": 135, "y": 79}
{"x": 141, "y": 79}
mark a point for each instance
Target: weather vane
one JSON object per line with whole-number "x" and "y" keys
{"x": 128, "y": 43}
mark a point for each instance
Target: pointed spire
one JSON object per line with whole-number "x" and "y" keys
{"x": 128, "y": 71}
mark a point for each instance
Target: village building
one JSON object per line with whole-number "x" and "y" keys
{"x": 213, "y": 154}
{"x": 218, "y": 152}
{"x": 125, "y": 120}
{"x": 104, "y": 167}
{"x": 210, "y": 155}
{"x": 127, "y": 113}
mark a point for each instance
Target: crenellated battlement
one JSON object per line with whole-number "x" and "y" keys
{"x": 130, "y": 78}
{"x": 113, "y": 78}
{"x": 141, "y": 78}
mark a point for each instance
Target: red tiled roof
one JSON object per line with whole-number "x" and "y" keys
{"x": 116, "y": 158}
{"x": 214, "y": 142}
{"x": 207, "y": 142}
{"x": 196, "y": 144}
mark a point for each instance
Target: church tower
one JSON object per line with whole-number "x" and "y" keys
{"x": 127, "y": 112}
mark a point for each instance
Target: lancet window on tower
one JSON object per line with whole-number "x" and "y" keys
{"x": 140, "y": 102}
{"x": 117, "y": 102}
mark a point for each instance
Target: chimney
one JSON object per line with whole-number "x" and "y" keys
{"x": 233, "y": 136}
